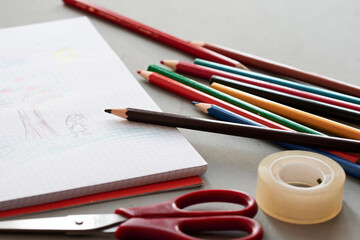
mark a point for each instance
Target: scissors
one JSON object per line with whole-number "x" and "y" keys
{"x": 165, "y": 220}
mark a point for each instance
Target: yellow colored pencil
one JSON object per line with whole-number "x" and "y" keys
{"x": 306, "y": 118}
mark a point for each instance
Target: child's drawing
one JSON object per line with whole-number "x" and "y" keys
{"x": 11, "y": 62}
{"x": 65, "y": 54}
{"x": 45, "y": 84}
{"x": 77, "y": 125}
{"x": 25, "y": 95}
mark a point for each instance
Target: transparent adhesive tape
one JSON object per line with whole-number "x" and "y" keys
{"x": 300, "y": 187}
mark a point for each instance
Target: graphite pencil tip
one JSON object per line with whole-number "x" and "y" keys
{"x": 107, "y": 110}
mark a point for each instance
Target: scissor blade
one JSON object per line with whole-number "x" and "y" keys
{"x": 71, "y": 223}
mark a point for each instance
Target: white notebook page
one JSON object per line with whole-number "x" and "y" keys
{"x": 56, "y": 141}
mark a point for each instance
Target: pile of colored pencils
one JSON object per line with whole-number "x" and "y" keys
{"x": 246, "y": 97}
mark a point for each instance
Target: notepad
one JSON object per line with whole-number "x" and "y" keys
{"x": 56, "y": 142}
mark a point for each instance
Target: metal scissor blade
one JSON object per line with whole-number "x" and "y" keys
{"x": 71, "y": 223}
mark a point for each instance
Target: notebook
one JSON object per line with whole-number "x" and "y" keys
{"x": 56, "y": 142}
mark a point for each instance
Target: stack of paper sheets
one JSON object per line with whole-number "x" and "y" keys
{"x": 56, "y": 142}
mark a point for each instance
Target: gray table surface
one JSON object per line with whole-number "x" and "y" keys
{"x": 319, "y": 36}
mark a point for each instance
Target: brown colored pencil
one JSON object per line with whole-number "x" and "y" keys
{"x": 282, "y": 69}
{"x": 174, "y": 120}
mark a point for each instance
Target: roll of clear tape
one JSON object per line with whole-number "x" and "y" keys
{"x": 300, "y": 187}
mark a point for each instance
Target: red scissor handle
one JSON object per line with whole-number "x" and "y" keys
{"x": 176, "y": 228}
{"x": 174, "y": 207}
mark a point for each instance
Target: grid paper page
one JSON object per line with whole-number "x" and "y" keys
{"x": 56, "y": 142}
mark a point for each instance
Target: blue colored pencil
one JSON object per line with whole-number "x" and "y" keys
{"x": 225, "y": 115}
{"x": 279, "y": 81}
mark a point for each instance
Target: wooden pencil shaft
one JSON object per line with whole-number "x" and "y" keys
{"x": 293, "y": 101}
{"x": 174, "y": 120}
{"x": 151, "y": 32}
{"x": 286, "y": 70}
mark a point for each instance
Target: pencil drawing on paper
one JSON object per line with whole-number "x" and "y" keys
{"x": 11, "y": 62}
{"x": 26, "y": 95}
{"x": 65, "y": 55}
{"x": 77, "y": 126}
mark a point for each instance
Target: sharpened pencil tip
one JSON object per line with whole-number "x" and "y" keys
{"x": 145, "y": 74}
{"x": 107, "y": 110}
{"x": 162, "y": 62}
{"x": 195, "y": 102}
{"x": 138, "y": 71}
{"x": 203, "y": 107}
{"x": 241, "y": 66}
{"x": 170, "y": 63}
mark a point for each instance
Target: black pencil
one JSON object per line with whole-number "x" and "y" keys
{"x": 174, "y": 120}
{"x": 308, "y": 105}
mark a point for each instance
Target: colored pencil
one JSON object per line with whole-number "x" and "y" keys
{"x": 307, "y": 105}
{"x": 280, "y": 81}
{"x": 195, "y": 95}
{"x": 306, "y": 118}
{"x": 206, "y": 73}
{"x": 153, "y": 33}
{"x": 233, "y": 100}
{"x": 235, "y": 129}
{"x": 222, "y": 114}
{"x": 282, "y": 69}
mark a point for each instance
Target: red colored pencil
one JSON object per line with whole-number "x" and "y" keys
{"x": 198, "y": 96}
{"x": 153, "y": 33}
{"x": 207, "y": 73}
{"x": 282, "y": 69}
